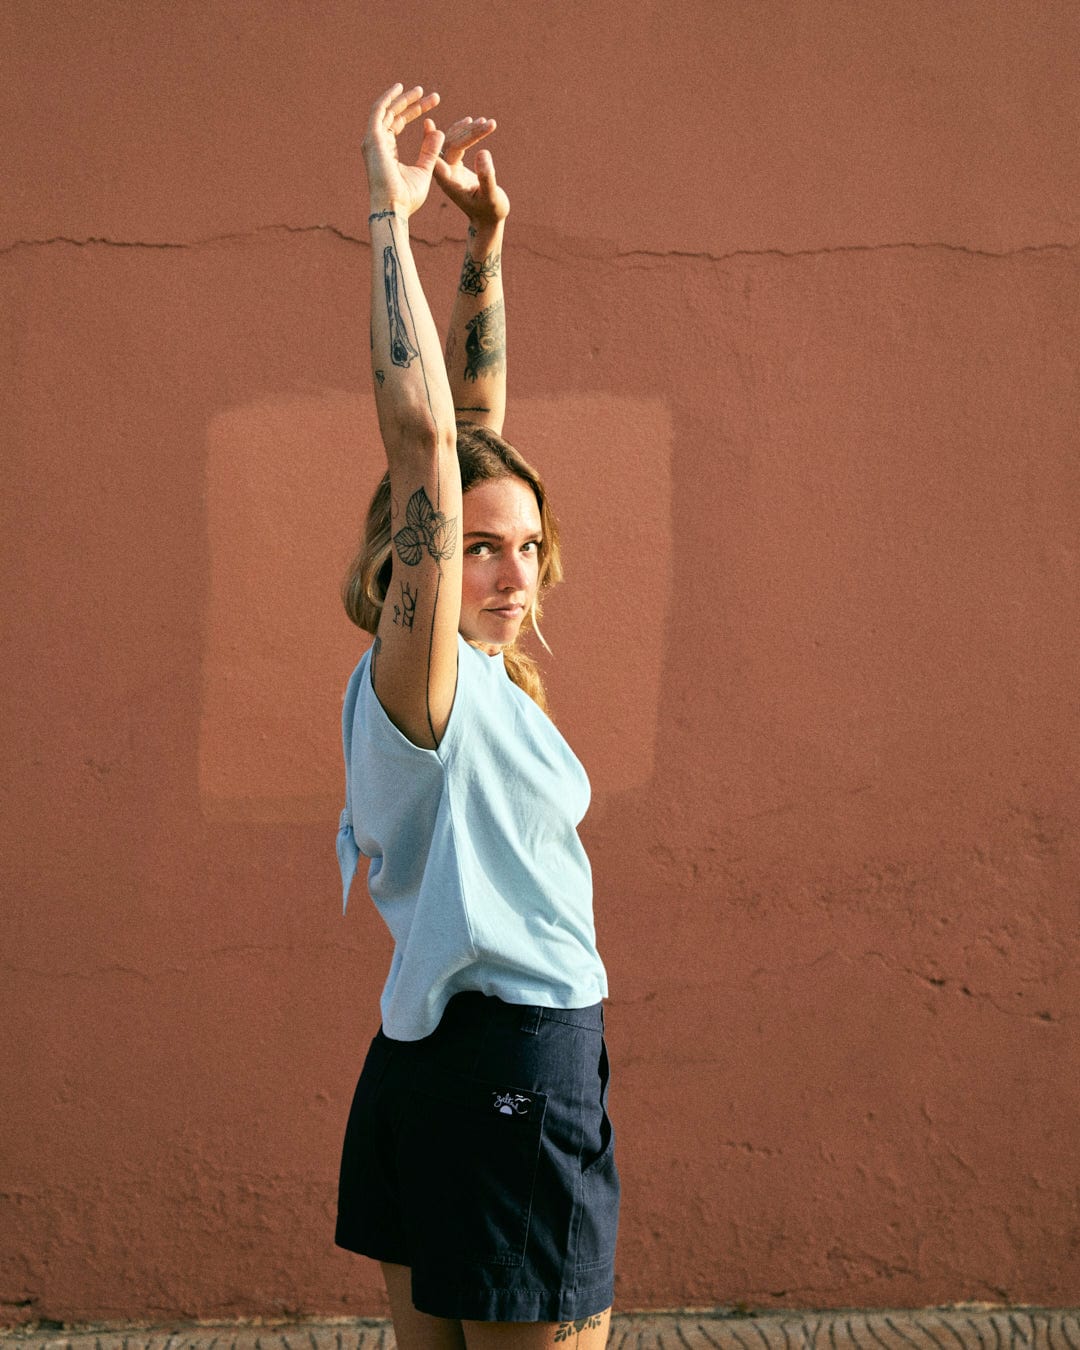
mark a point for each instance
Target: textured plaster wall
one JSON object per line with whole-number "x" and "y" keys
{"x": 792, "y": 291}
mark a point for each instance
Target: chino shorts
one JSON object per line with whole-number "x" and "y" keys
{"x": 483, "y": 1158}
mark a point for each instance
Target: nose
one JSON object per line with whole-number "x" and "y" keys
{"x": 514, "y": 573}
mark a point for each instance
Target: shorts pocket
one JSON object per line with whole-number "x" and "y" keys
{"x": 599, "y": 1212}
{"x": 600, "y": 1191}
{"x": 469, "y": 1166}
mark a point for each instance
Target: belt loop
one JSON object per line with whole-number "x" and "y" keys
{"x": 530, "y": 1020}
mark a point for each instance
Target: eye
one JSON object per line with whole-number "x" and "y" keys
{"x": 533, "y": 546}
{"x": 478, "y": 550}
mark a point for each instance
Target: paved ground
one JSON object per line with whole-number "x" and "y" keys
{"x": 939, "y": 1329}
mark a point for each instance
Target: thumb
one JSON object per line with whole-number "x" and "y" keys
{"x": 430, "y": 146}
{"x": 485, "y": 171}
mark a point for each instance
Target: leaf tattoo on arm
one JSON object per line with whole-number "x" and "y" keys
{"x": 402, "y": 350}
{"x": 425, "y": 530}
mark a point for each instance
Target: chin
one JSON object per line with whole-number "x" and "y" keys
{"x": 491, "y": 632}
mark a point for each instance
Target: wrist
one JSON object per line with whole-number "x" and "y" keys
{"x": 483, "y": 235}
{"x": 379, "y": 208}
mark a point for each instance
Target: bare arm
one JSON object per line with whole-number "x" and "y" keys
{"x": 476, "y": 341}
{"x": 414, "y": 668}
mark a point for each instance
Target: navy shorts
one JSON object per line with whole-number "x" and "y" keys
{"x": 483, "y": 1158}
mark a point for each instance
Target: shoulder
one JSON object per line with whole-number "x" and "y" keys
{"x": 375, "y": 731}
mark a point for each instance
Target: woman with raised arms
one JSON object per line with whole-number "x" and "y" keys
{"x": 478, "y": 1164}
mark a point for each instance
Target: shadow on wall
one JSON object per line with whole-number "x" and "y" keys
{"x": 275, "y": 631}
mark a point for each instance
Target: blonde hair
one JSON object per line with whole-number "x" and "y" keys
{"x": 482, "y": 456}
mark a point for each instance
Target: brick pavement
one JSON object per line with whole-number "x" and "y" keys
{"x": 937, "y": 1329}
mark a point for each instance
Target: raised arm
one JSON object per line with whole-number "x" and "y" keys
{"x": 476, "y": 342}
{"x": 414, "y": 668}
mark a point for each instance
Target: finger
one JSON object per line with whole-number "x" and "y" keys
{"x": 414, "y": 109}
{"x": 385, "y": 99}
{"x": 455, "y": 128}
{"x": 457, "y": 140}
{"x": 381, "y": 105}
{"x": 404, "y": 97}
{"x": 479, "y": 128}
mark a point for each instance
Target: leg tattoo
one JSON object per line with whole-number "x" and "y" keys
{"x": 567, "y": 1329}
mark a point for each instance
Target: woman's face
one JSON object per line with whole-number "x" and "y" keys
{"x": 501, "y": 523}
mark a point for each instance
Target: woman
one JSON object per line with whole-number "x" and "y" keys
{"x": 478, "y": 1163}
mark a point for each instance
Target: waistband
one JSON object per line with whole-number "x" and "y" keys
{"x": 471, "y": 1010}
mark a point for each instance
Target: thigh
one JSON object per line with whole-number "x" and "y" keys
{"x": 416, "y": 1330}
{"x": 587, "y": 1333}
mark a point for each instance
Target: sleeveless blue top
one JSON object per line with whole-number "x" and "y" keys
{"x": 475, "y": 862}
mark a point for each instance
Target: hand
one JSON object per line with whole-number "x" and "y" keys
{"x": 391, "y": 184}
{"x": 478, "y": 195}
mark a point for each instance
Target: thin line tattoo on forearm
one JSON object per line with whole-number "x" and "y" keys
{"x": 425, "y": 530}
{"x": 485, "y": 342}
{"x": 405, "y": 613}
{"x": 436, "y": 533}
{"x": 393, "y": 309}
{"x": 401, "y": 349}
{"x": 476, "y": 275}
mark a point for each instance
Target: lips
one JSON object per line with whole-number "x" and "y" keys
{"x": 507, "y": 611}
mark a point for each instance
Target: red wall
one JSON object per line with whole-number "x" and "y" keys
{"x": 793, "y": 314}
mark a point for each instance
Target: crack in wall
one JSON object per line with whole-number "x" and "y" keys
{"x": 619, "y": 255}
{"x": 195, "y": 960}
{"x": 943, "y": 984}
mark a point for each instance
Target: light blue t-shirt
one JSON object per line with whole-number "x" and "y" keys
{"x": 475, "y": 861}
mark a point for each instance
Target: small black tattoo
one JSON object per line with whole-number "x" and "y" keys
{"x": 567, "y": 1329}
{"x": 379, "y": 377}
{"x": 476, "y": 275}
{"x": 424, "y": 529}
{"x": 476, "y": 408}
{"x": 405, "y": 613}
{"x": 380, "y": 215}
{"x": 401, "y": 349}
{"x": 485, "y": 345}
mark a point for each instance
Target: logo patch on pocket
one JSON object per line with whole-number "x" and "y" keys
{"x": 511, "y": 1103}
